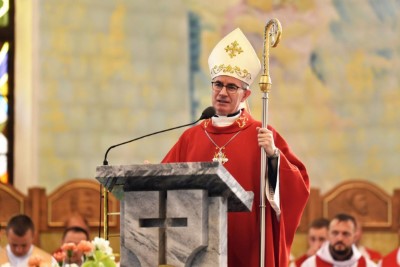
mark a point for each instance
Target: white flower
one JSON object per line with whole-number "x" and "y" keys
{"x": 103, "y": 245}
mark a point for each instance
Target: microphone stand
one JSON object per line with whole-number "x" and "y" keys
{"x": 105, "y": 162}
{"x": 207, "y": 113}
{"x": 271, "y": 38}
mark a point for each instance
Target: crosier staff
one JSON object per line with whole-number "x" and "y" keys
{"x": 272, "y": 36}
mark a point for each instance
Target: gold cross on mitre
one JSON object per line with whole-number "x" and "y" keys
{"x": 233, "y": 48}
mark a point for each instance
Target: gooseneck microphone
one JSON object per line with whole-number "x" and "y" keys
{"x": 207, "y": 113}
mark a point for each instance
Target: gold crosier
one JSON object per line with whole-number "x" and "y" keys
{"x": 272, "y": 36}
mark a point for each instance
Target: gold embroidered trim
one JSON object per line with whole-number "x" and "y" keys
{"x": 242, "y": 121}
{"x": 229, "y": 69}
{"x": 233, "y": 49}
{"x": 206, "y": 122}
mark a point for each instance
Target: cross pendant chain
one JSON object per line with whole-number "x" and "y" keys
{"x": 219, "y": 155}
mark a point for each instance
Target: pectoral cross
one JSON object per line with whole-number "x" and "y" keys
{"x": 220, "y": 156}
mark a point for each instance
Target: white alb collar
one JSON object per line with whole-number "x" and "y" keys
{"x": 324, "y": 254}
{"x": 222, "y": 121}
{"x": 15, "y": 259}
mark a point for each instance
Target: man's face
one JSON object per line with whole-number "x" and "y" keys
{"x": 20, "y": 245}
{"x": 226, "y": 103}
{"x": 341, "y": 238}
{"x": 316, "y": 237}
{"x": 74, "y": 237}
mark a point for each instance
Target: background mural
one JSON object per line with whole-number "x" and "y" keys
{"x": 113, "y": 71}
{"x": 90, "y": 74}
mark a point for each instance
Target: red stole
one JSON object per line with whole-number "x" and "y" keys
{"x": 390, "y": 260}
{"x": 299, "y": 261}
{"x": 321, "y": 263}
{"x": 373, "y": 255}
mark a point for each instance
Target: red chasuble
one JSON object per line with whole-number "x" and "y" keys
{"x": 243, "y": 154}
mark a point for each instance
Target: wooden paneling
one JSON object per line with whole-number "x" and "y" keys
{"x": 50, "y": 212}
{"x": 366, "y": 201}
{"x": 78, "y": 196}
{"x": 12, "y": 202}
{"x": 377, "y": 210}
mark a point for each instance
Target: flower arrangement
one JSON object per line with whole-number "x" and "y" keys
{"x": 96, "y": 253}
{"x": 35, "y": 261}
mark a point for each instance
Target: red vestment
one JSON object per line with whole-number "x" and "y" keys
{"x": 243, "y": 163}
{"x": 371, "y": 254}
{"x": 300, "y": 260}
{"x": 390, "y": 260}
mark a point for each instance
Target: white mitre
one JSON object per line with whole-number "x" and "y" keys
{"x": 234, "y": 56}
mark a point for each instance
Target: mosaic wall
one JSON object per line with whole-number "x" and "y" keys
{"x": 115, "y": 70}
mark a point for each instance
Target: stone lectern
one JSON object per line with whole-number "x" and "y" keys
{"x": 174, "y": 214}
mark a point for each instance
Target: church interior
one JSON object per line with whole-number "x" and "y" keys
{"x": 81, "y": 76}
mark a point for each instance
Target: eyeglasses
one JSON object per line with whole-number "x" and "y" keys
{"x": 230, "y": 88}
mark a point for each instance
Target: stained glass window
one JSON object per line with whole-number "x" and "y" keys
{"x": 3, "y": 111}
{"x": 4, "y": 13}
{"x": 6, "y": 87}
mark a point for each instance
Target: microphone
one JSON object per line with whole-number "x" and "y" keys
{"x": 207, "y": 113}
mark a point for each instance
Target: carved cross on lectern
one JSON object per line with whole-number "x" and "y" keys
{"x": 166, "y": 228}
{"x": 162, "y": 223}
